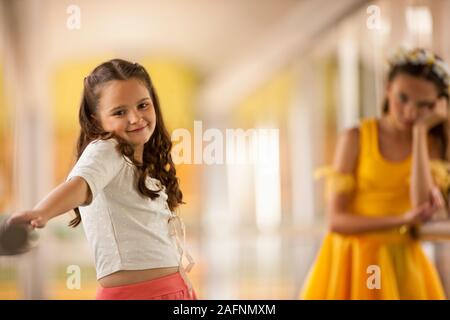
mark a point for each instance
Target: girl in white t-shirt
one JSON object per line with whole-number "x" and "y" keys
{"x": 124, "y": 189}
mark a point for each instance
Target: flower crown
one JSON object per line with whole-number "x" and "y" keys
{"x": 422, "y": 57}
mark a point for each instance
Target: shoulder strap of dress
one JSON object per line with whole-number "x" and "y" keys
{"x": 367, "y": 135}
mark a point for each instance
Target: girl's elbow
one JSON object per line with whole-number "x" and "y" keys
{"x": 333, "y": 225}
{"x": 338, "y": 224}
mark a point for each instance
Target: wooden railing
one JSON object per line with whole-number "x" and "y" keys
{"x": 437, "y": 230}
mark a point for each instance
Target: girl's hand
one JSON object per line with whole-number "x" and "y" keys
{"x": 438, "y": 200}
{"x": 31, "y": 218}
{"x": 438, "y": 114}
{"x": 421, "y": 214}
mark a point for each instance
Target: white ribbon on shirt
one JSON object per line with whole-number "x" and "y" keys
{"x": 177, "y": 228}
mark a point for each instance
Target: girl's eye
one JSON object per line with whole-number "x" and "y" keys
{"x": 119, "y": 113}
{"x": 426, "y": 105}
{"x": 143, "y": 105}
{"x": 403, "y": 98}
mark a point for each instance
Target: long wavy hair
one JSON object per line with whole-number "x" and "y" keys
{"x": 157, "y": 160}
{"x": 425, "y": 71}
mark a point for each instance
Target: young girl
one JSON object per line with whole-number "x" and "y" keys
{"x": 124, "y": 189}
{"x": 381, "y": 187}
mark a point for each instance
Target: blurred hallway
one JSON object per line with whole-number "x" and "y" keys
{"x": 306, "y": 68}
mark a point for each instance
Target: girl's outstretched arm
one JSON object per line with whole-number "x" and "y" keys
{"x": 62, "y": 199}
{"x": 344, "y": 221}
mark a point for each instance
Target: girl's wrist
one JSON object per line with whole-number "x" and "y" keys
{"x": 420, "y": 130}
{"x": 403, "y": 220}
{"x": 420, "y": 127}
{"x": 41, "y": 213}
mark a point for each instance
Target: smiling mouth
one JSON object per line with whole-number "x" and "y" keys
{"x": 139, "y": 129}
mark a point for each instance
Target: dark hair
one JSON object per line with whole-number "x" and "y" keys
{"x": 157, "y": 160}
{"x": 424, "y": 71}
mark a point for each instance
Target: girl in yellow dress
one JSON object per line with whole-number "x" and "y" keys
{"x": 384, "y": 183}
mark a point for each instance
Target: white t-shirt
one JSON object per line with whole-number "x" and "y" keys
{"x": 126, "y": 230}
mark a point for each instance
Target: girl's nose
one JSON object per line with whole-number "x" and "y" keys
{"x": 411, "y": 112}
{"x": 133, "y": 116}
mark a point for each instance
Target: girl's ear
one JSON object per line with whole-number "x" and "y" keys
{"x": 388, "y": 87}
{"x": 94, "y": 117}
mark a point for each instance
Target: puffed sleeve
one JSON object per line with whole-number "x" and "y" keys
{"x": 335, "y": 182}
{"x": 99, "y": 163}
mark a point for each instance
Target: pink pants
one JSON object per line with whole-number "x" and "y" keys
{"x": 171, "y": 287}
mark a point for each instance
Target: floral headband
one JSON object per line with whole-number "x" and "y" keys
{"x": 422, "y": 57}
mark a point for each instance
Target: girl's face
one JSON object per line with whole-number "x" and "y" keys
{"x": 126, "y": 109}
{"x": 410, "y": 98}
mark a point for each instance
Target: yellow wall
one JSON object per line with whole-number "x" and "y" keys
{"x": 6, "y": 150}
{"x": 269, "y": 103}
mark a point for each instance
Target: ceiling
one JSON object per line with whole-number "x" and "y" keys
{"x": 206, "y": 33}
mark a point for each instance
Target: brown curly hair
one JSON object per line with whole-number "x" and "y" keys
{"x": 157, "y": 161}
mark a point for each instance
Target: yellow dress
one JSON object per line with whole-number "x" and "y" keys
{"x": 376, "y": 265}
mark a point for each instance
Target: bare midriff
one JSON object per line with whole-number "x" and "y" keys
{"x": 128, "y": 277}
